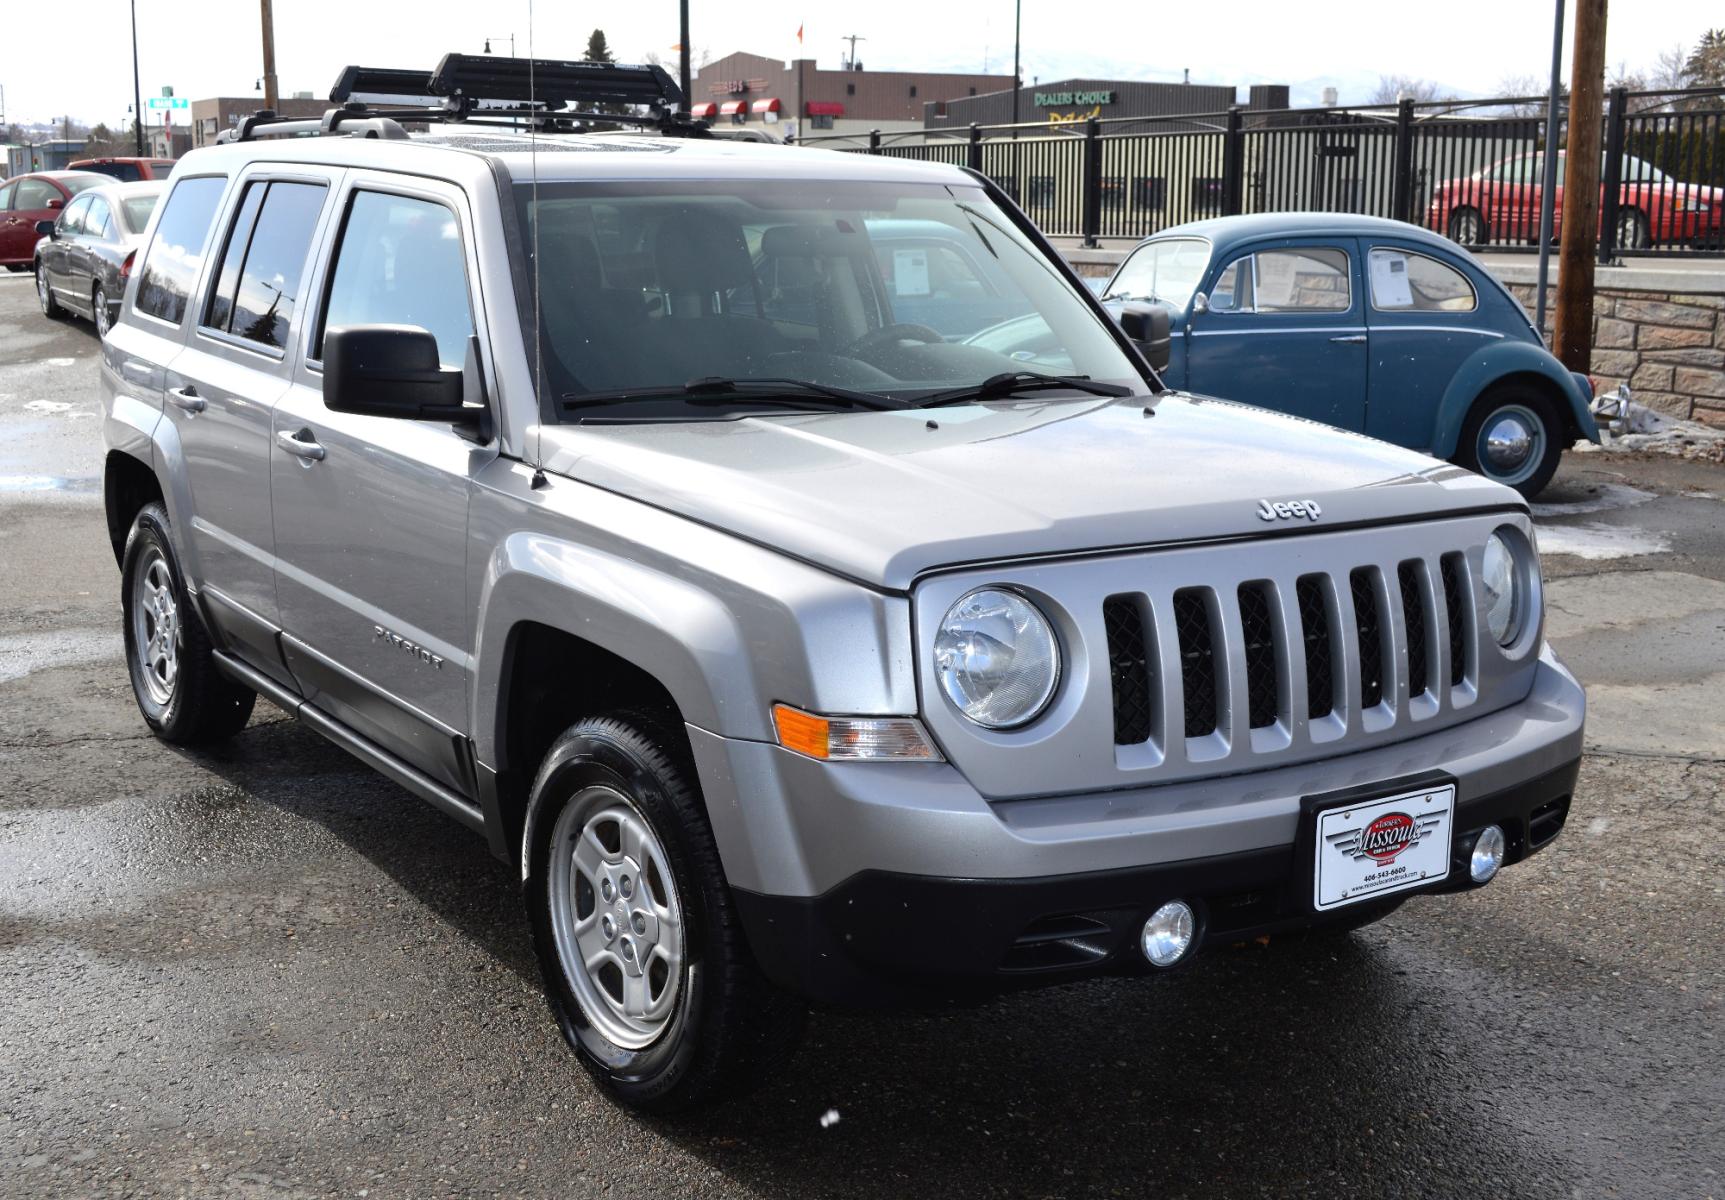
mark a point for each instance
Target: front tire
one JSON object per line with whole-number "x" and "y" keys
{"x": 1632, "y": 230}
{"x": 1467, "y": 227}
{"x": 182, "y": 694}
{"x": 1512, "y": 435}
{"x": 644, "y": 961}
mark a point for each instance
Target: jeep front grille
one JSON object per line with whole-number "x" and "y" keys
{"x": 1259, "y": 618}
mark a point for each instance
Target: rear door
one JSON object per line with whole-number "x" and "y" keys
{"x": 371, "y": 512}
{"x": 222, "y": 389}
{"x": 83, "y": 255}
{"x": 1286, "y": 331}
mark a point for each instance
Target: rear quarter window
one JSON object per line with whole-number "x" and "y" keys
{"x": 176, "y": 253}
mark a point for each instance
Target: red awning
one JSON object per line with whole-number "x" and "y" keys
{"x": 731, "y": 108}
{"x": 824, "y": 108}
{"x": 709, "y": 109}
{"x": 765, "y": 106}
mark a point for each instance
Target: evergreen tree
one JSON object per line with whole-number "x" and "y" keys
{"x": 599, "y": 51}
{"x": 1706, "y": 65}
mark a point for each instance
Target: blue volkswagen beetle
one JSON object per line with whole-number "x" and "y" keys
{"x": 1371, "y": 325}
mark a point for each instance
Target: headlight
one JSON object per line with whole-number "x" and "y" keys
{"x": 996, "y": 658}
{"x": 1502, "y": 584}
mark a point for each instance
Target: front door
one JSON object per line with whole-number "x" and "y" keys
{"x": 23, "y": 202}
{"x": 371, "y": 512}
{"x": 1285, "y": 330}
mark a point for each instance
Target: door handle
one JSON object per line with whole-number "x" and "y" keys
{"x": 1350, "y": 339}
{"x": 300, "y": 444}
{"x": 186, "y": 399}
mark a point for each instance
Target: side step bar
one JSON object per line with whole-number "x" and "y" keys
{"x": 427, "y": 789}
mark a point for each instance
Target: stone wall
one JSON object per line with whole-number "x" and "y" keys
{"x": 1668, "y": 346}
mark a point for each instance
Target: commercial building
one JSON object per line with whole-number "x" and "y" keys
{"x": 1072, "y": 101}
{"x": 799, "y": 98}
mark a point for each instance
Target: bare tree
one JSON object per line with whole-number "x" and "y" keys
{"x": 1528, "y": 86}
{"x": 1392, "y": 88}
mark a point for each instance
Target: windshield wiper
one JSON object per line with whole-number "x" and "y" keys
{"x": 717, "y": 389}
{"x": 1010, "y": 383}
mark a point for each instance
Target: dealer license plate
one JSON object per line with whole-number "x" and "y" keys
{"x": 1378, "y": 847}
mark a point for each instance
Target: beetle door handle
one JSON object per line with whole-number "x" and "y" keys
{"x": 1350, "y": 339}
{"x": 186, "y": 399}
{"x": 300, "y": 445}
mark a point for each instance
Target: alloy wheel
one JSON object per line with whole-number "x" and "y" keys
{"x": 156, "y": 627}
{"x": 100, "y": 304}
{"x": 616, "y": 918}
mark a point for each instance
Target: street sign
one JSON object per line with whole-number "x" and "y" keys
{"x": 169, "y": 102}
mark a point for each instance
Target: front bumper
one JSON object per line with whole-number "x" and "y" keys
{"x": 870, "y": 883}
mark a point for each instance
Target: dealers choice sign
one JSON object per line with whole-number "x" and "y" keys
{"x": 1076, "y": 99}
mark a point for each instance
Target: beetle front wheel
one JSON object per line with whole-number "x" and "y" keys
{"x": 1512, "y": 436}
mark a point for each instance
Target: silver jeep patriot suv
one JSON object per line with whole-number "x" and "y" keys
{"x": 781, "y": 556}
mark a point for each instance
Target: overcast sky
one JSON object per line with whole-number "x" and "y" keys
{"x": 211, "y": 47}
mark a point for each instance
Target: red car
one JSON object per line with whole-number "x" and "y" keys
{"x": 26, "y": 199}
{"x": 126, "y": 170}
{"x": 1501, "y": 204}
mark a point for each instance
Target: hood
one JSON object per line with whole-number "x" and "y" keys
{"x": 882, "y": 497}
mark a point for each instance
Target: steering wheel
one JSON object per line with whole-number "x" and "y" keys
{"x": 887, "y": 334}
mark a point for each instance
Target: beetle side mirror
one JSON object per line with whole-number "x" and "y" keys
{"x": 46, "y": 229}
{"x": 1150, "y": 326}
{"x": 1200, "y": 302}
{"x": 392, "y": 371}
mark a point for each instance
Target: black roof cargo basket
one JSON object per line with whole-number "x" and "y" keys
{"x": 553, "y": 82}
{"x": 382, "y": 85}
{"x": 544, "y": 94}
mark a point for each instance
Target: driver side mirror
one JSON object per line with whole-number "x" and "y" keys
{"x": 1150, "y": 326}
{"x": 393, "y": 371}
{"x": 57, "y": 202}
{"x": 46, "y": 228}
{"x": 1200, "y": 302}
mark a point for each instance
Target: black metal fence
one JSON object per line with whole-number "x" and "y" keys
{"x": 1472, "y": 171}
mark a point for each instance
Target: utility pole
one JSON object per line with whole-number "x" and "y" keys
{"x": 1548, "y": 182}
{"x": 137, "y": 92}
{"x": 683, "y": 47}
{"x": 853, "y": 39}
{"x": 1017, "y": 23}
{"x": 271, "y": 100}
{"x": 1572, "y": 335}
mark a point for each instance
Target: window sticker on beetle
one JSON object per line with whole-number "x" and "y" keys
{"x": 910, "y": 272}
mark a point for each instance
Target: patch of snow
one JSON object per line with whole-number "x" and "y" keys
{"x": 1609, "y": 496}
{"x": 47, "y": 406}
{"x": 1595, "y": 541}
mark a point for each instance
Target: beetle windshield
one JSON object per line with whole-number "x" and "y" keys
{"x": 897, "y": 290}
{"x": 1168, "y": 271}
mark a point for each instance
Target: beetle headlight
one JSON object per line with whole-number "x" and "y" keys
{"x": 996, "y": 658}
{"x": 1501, "y": 581}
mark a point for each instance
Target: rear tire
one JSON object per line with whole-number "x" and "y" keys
{"x": 100, "y": 312}
{"x": 45, "y": 296}
{"x": 1513, "y": 435}
{"x": 182, "y": 694}
{"x": 623, "y": 874}
{"x": 1632, "y": 230}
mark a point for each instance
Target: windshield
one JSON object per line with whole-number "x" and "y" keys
{"x": 895, "y": 290}
{"x": 1167, "y": 271}
{"x": 77, "y": 183}
{"x": 138, "y": 210}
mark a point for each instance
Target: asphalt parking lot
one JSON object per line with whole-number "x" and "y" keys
{"x": 267, "y": 972}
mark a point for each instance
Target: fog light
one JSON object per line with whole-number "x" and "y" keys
{"x": 1168, "y": 933}
{"x": 1487, "y": 854}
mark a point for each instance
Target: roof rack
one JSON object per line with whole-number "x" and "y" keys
{"x": 548, "y": 95}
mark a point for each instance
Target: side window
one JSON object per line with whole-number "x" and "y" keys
{"x": 400, "y": 262}
{"x": 1302, "y": 279}
{"x": 1406, "y": 282}
{"x": 177, "y": 251}
{"x": 219, "y": 312}
{"x": 72, "y": 216}
{"x": 273, "y": 267}
{"x": 1233, "y": 290}
{"x": 6, "y": 196}
{"x": 34, "y": 195}
{"x": 96, "y": 217}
